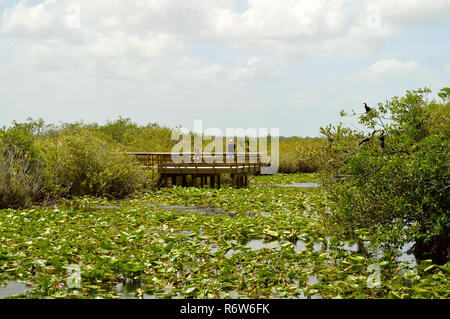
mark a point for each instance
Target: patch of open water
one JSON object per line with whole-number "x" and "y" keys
{"x": 13, "y": 288}
{"x": 300, "y": 185}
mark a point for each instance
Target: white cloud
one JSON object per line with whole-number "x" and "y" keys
{"x": 23, "y": 20}
{"x": 118, "y": 44}
{"x": 256, "y": 68}
{"x": 407, "y": 13}
{"x": 447, "y": 67}
{"x": 139, "y": 48}
{"x": 303, "y": 26}
{"x": 266, "y": 22}
{"x": 390, "y": 69}
{"x": 151, "y": 32}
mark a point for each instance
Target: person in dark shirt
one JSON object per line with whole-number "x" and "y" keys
{"x": 230, "y": 150}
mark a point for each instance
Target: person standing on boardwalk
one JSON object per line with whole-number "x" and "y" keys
{"x": 230, "y": 150}
{"x": 197, "y": 155}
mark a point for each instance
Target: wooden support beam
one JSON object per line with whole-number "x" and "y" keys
{"x": 242, "y": 165}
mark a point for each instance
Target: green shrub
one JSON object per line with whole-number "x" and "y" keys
{"x": 20, "y": 167}
{"x": 20, "y": 183}
{"x": 149, "y": 138}
{"x": 396, "y": 188}
{"x": 79, "y": 162}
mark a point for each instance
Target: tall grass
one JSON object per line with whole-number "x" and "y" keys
{"x": 302, "y": 155}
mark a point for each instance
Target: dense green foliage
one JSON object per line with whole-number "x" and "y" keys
{"x": 20, "y": 167}
{"x": 135, "y": 138}
{"x": 41, "y": 162}
{"x": 79, "y": 162}
{"x": 392, "y": 180}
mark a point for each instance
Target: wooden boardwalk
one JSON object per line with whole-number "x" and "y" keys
{"x": 199, "y": 169}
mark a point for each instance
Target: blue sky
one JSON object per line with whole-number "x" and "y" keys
{"x": 288, "y": 64}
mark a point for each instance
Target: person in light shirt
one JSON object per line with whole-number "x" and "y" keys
{"x": 230, "y": 150}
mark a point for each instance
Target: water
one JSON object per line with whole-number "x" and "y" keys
{"x": 405, "y": 256}
{"x": 258, "y": 244}
{"x": 132, "y": 289}
{"x": 127, "y": 290}
{"x": 12, "y": 288}
{"x": 96, "y": 208}
{"x": 206, "y": 211}
{"x": 300, "y": 185}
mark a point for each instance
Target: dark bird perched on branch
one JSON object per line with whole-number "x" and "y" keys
{"x": 364, "y": 140}
{"x": 382, "y": 139}
{"x": 367, "y": 138}
{"x": 367, "y": 108}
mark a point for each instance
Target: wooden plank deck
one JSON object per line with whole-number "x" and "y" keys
{"x": 175, "y": 166}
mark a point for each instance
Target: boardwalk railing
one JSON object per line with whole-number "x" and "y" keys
{"x": 238, "y": 165}
{"x": 200, "y": 162}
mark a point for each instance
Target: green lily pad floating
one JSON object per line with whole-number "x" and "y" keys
{"x": 264, "y": 241}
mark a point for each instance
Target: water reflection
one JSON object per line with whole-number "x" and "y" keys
{"x": 300, "y": 185}
{"x": 127, "y": 289}
{"x": 13, "y": 288}
{"x": 405, "y": 256}
{"x": 206, "y": 211}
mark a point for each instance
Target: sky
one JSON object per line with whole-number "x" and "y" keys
{"x": 287, "y": 64}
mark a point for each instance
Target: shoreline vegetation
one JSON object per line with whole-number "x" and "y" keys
{"x": 67, "y": 197}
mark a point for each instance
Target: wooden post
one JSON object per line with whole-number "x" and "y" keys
{"x": 174, "y": 180}
{"x": 211, "y": 180}
{"x": 218, "y": 181}
{"x": 183, "y": 181}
